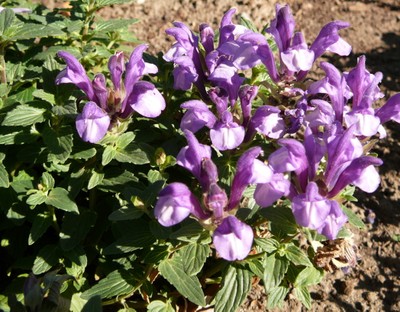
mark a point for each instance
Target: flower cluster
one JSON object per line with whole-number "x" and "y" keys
{"x": 322, "y": 129}
{"x": 108, "y": 107}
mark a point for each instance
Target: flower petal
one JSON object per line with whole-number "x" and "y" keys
{"x": 92, "y": 124}
{"x": 233, "y": 239}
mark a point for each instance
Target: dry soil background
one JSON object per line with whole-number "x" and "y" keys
{"x": 374, "y": 285}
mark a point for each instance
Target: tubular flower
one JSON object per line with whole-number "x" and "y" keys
{"x": 128, "y": 94}
{"x": 232, "y": 238}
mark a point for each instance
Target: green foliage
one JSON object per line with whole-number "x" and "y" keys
{"x": 77, "y": 226}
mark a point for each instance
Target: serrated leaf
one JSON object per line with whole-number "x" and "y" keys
{"x": 282, "y": 220}
{"x": 156, "y": 254}
{"x": 303, "y": 295}
{"x": 276, "y": 297}
{"x": 95, "y": 179}
{"x": 93, "y": 305}
{"x": 188, "y": 286}
{"x": 4, "y": 181}
{"x": 103, "y": 3}
{"x": 84, "y": 154}
{"x": 236, "y": 283}
{"x": 74, "y": 228}
{"x": 108, "y": 155}
{"x": 275, "y": 269}
{"x": 59, "y": 143}
{"x": 308, "y": 276}
{"x": 160, "y": 306}
{"x": 132, "y": 153}
{"x": 30, "y": 31}
{"x": 40, "y": 225}
{"x": 41, "y": 94}
{"x": 36, "y": 198}
{"x": 6, "y": 19}
{"x": 267, "y": 244}
{"x": 75, "y": 261}
{"x": 136, "y": 234}
{"x": 113, "y": 25}
{"x": 353, "y": 218}
{"x": 297, "y": 256}
{"x": 59, "y": 198}
{"x": 24, "y": 115}
{"x": 47, "y": 180}
{"x": 115, "y": 284}
{"x": 193, "y": 257}
{"x": 125, "y": 213}
{"x": 47, "y": 258}
{"x": 124, "y": 139}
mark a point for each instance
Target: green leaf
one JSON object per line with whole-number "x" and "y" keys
{"x": 282, "y": 220}
{"x": 125, "y": 213}
{"x": 75, "y": 261}
{"x": 297, "y": 256}
{"x": 113, "y": 25}
{"x": 353, "y": 218}
{"x": 47, "y": 258}
{"x": 160, "y": 306}
{"x": 95, "y": 179}
{"x": 6, "y": 19}
{"x": 117, "y": 283}
{"x": 276, "y": 297}
{"x": 108, "y": 155}
{"x": 303, "y": 295}
{"x": 59, "y": 198}
{"x": 31, "y": 31}
{"x": 236, "y": 283}
{"x": 59, "y": 143}
{"x": 124, "y": 139}
{"x": 47, "y": 180}
{"x": 188, "y": 286}
{"x": 4, "y": 181}
{"x": 308, "y": 276}
{"x": 156, "y": 254}
{"x": 275, "y": 269}
{"x": 193, "y": 257}
{"x": 24, "y": 115}
{"x": 103, "y": 3}
{"x": 132, "y": 153}
{"x": 267, "y": 244}
{"x": 93, "y": 305}
{"x": 41, "y": 94}
{"x": 135, "y": 235}
{"x": 36, "y": 198}
{"x": 40, "y": 225}
{"x": 75, "y": 227}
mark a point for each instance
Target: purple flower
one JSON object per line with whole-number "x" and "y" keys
{"x": 92, "y": 124}
{"x": 191, "y": 157}
{"x": 118, "y": 103}
{"x": 268, "y": 193}
{"x": 217, "y": 66}
{"x": 296, "y": 59}
{"x": 233, "y": 239}
{"x": 175, "y": 203}
{"x": 268, "y": 121}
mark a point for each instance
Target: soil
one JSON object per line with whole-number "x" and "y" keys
{"x": 374, "y": 285}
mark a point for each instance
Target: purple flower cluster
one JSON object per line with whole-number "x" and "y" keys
{"x": 232, "y": 238}
{"x": 107, "y": 107}
{"x": 323, "y": 139}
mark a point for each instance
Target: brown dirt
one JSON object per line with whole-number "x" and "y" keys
{"x": 374, "y": 285}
